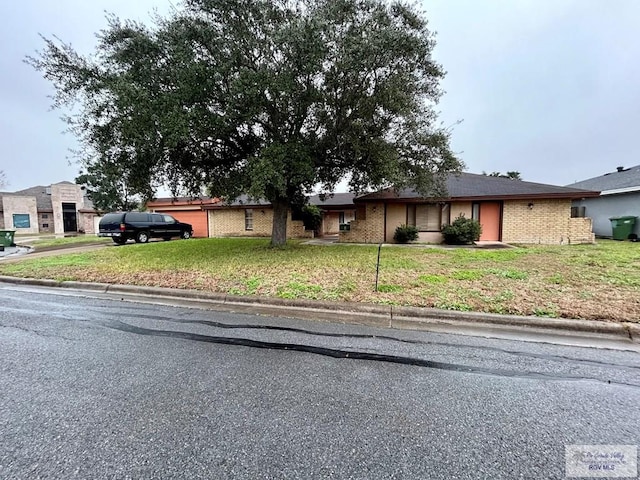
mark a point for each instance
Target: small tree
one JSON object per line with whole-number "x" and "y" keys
{"x": 405, "y": 234}
{"x": 311, "y": 217}
{"x": 462, "y": 231}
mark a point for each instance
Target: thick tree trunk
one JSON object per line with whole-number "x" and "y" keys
{"x": 280, "y": 215}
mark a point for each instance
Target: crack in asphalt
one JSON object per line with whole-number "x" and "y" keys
{"x": 541, "y": 356}
{"x": 37, "y": 332}
{"x": 353, "y": 355}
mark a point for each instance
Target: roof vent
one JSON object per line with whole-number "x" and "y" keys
{"x": 620, "y": 169}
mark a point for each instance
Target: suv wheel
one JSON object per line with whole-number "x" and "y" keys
{"x": 186, "y": 235}
{"x": 142, "y": 237}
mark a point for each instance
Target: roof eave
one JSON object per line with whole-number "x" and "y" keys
{"x": 473, "y": 198}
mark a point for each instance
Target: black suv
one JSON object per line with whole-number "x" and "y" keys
{"x": 141, "y": 226}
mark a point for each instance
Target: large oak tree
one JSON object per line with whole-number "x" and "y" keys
{"x": 269, "y": 98}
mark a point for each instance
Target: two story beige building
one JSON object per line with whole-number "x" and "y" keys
{"x": 57, "y": 208}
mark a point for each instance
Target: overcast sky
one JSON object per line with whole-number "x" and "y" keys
{"x": 550, "y": 88}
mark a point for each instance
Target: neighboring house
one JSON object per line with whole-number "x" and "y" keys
{"x": 511, "y": 211}
{"x": 337, "y": 209}
{"x": 619, "y": 197}
{"x": 245, "y": 217}
{"x": 248, "y": 217}
{"x": 58, "y": 208}
{"x": 187, "y": 210}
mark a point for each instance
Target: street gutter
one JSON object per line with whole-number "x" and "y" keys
{"x": 386, "y": 316}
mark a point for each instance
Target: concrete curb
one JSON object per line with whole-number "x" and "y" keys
{"x": 387, "y": 316}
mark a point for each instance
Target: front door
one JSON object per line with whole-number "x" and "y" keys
{"x": 490, "y": 215}
{"x": 69, "y": 217}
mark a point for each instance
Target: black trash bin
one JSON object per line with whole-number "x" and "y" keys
{"x": 622, "y": 227}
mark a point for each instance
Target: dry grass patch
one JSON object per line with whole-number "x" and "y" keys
{"x": 585, "y": 281}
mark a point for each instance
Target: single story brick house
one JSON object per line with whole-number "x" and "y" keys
{"x": 57, "y": 208}
{"x": 619, "y": 197}
{"x": 511, "y": 211}
{"x": 248, "y": 217}
{"x": 187, "y": 210}
{"x": 337, "y": 209}
{"x": 245, "y": 217}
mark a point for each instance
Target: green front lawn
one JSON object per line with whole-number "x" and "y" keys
{"x": 582, "y": 281}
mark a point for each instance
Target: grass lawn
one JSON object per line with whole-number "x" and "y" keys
{"x": 582, "y": 281}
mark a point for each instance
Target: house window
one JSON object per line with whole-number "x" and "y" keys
{"x": 45, "y": 225}
{"x": 21, "y": 220}
{"x": 578, "y": 212}
{"x": 248, "y": 219}
{"x": 45, "y": 216}
{"x": 425, "y": 217}
{"x": 445, "y": 218}
{"x": 475, "y": 211}
{"x": 341, "y": 218}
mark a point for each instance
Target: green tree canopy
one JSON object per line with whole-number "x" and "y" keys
{"x": 265, "y": 97}
{"x": 107, "y": 186}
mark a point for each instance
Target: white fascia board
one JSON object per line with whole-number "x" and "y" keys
{"x": 617, "y": 191}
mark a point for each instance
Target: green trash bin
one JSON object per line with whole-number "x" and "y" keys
{"x": 6, "y": 237}
{"x": 622, "y": 227}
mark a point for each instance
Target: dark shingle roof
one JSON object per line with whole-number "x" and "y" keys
{"x": 472, "y": 186}
{"x": 42, "y": 194}
{"x": 627, "y": 178}
{"x": 182, "y": 201}
{"x": 244, "y": 201}
{"x": 43, "y": 199}
{"x": 333, "y": 200}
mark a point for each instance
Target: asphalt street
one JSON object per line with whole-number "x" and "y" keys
{"x": 102, "y": 388}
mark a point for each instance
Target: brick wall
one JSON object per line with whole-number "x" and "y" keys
{"x": 1, "y": 221}
{"x": 45, "y": 219}
{"x": 546, "y": 222}
{"x": 230, "y": 223}
{"x": 369, "y": 230}
{"x": 86, "y": 222}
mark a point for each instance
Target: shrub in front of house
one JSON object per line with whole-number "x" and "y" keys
{"x": 405, "y": 234}
{"x": 311, "y": 217}
{"x": 462, "y": 231}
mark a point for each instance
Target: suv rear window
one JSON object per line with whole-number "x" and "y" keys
{"x": 137, "y": 217}
{"x": 112, "y": 218}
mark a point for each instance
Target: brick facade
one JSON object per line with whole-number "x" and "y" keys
{"x": 545, "y": 222}
{"x": 230, "y": 222}
{"x": 369, "y": 229}
{"x": 45, "y": 221}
